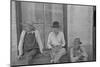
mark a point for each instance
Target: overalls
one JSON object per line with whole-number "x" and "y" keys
{"x": 30, "y": 47}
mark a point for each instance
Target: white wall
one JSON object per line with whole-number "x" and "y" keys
{"x": 80, "y": 21}
{"x": 80, "y": 24}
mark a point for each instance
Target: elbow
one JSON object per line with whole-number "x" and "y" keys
{"x": 63, "y": 44}
{"x": 49, "y": 47}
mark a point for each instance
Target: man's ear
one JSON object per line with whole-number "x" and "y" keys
{"x": 80, "y": 42}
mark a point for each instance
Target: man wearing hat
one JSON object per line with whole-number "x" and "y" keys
{"x": 77, "y": 52}
{"x": 56, "y": 43}
{"x": 30, "y": 42}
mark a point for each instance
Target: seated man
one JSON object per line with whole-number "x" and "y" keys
{"x": 77, "y": 52}
{"x": 56, "y": 43}
{"x": 30, "y": 42}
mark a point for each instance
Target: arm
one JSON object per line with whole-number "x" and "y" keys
{"x": 73, "y": 59}
{"x": 49, "y": 41}
{"x": 20, "y": 46}
{"x": 38, "y": 38}
{"x": 62, "y": 39}
{"x": 84, "y": 52}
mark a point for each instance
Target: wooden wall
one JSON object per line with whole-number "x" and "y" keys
{"x": 42, "y": 15}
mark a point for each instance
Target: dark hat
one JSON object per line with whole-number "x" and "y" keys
{"x": 55, "y": 24}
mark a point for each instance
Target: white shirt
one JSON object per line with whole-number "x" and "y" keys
{"x": 56, "y": 39}
{"x": 37, "y": 35}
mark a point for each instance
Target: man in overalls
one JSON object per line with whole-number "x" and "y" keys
{"x": 30, "y": 42}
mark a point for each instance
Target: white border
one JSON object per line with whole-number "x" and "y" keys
{"x": 5, "y": 33}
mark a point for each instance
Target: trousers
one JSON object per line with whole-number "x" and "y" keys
{"x": 29, "y": 56}
{"x": 57, "y": 54}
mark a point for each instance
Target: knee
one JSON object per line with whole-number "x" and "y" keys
{"x": 63, "y": 51}
{"x": 72, "y": 60}
{"x": 85, "y": 59}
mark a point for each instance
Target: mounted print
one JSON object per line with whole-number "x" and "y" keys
{"x": 52, "y": 33}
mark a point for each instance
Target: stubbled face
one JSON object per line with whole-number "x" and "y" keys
{"x": 56, "y": 30}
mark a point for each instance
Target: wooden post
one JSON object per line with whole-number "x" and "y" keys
{"x": 65, "y": 24}
{"x": 18, "y": 20}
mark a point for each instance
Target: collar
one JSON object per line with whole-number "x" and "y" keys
{"x": 31, "y": 32}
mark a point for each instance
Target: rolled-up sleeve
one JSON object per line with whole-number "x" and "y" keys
{"x": 62, "y": 39}
{"x": 21, "y": 42}
{"x": 49, "y": 41}
{"x": 37, "y": 35}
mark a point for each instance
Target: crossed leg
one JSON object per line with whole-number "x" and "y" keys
{"x": 59, "y": 54}
{"x": 31, "y": 55}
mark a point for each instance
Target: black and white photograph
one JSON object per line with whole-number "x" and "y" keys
{"x": 52, "y": 33}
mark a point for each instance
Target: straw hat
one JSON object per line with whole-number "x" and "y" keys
{"x": 78, "y": 40}
{"x": 28, "y": 23}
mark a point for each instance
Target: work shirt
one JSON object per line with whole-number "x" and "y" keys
{"x": 56, "y": 39}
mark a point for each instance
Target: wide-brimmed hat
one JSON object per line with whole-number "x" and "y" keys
{"x": 28, "y": 23}
{"x": 55, "y": 24}
{"x": 78, "y": 40}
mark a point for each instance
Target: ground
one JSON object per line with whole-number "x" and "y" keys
{"x": 41, "y": 59}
